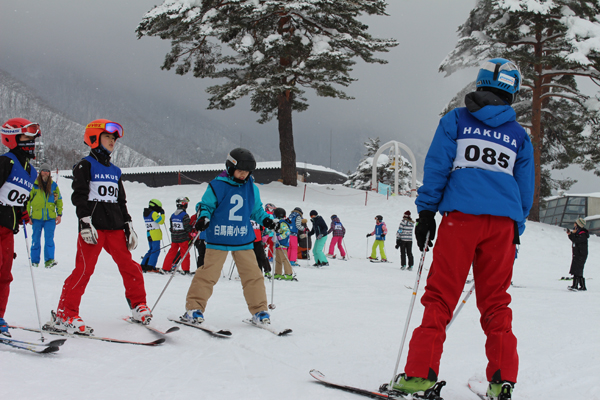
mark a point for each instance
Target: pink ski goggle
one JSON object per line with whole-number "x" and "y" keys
{"x": 110, "y": 127}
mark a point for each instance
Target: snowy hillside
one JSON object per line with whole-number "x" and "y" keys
{"x": 62, "y": 137}
{"x": 347, "y": 319}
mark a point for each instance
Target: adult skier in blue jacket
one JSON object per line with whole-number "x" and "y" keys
{"x": 479, "y": 174}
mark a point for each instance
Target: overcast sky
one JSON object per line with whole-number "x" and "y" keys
{"x": 95, "y": 41}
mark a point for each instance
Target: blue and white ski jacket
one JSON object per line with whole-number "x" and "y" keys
{"x": 480, "y": 163}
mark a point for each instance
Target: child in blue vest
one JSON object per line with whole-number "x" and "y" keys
{"x": 154, "y": 217}
{"x": 380, "y": 231}
{"x": 17, "y": 176}
{"x": 180, "y": 238}
{"x": 104, "y": 223}
{"x": 230, "y": 202}
{"x": 281, "y": 247}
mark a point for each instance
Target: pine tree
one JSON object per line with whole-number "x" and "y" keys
{"x": 553, "y": 42}
{"x": 276, "y": 48}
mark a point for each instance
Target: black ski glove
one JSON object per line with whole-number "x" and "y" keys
{"x": 269, "y": 223}
{"x": 425, "y": 225}
{"x": 368, "y": 235}
{"x": 202, "y": 224}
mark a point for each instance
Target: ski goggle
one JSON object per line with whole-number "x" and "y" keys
{"x": 110, "y": 127}
{"x": 496, "y": 68}
{"x": 31, "y": 130}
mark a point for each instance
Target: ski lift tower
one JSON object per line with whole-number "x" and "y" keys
{"x": 397, "y": 146}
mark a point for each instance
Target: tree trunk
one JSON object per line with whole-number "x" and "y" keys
{"x": 286, "y": 140}
{"x": 536, "y": 133}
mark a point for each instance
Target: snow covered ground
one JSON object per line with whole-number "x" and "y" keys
{"x": 347, "y": 319}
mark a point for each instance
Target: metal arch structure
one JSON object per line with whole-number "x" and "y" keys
{"x": 397, "y": 145}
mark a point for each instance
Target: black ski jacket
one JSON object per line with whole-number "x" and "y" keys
{"x": 10, "y": 216}
{"x": 105, "y": 216}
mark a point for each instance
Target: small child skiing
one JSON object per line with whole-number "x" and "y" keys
{"x": 380, "y": 231}
{"x": 181, "y": 230}
{"x": 319, "y": 229}
{"x": 295, "y": 224}
{"x": 281, "y": 247}
{"x": 200, "y": 242}
{"x": 104, "y": 223}
{"x": 404, "y": 241}
{"x": 304, "y": 241}
{"x": 579, "y": 237}
{"x": 17, "y": 176}
{"x": 259, "y": 250}
{"x": 230, "y": 202}
{"x": 338, "y": 236}
{"x": 268, "y": 234}
{"x": 154, "y": 217}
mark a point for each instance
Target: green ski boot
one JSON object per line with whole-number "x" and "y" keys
{"x": 410, "y": 385}
{"x": 500, "y": 390}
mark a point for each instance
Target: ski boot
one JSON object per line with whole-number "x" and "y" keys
{"x": 141, "y": 313}
{"x": 372, "y": 258}
{"x": 4, "y": 328}
{"x": 74, "y": 325}
{"x": 192, "y": 316}
{"x": 35, "y": 265}
{"x": 418, "y": 388}
{"x": 261, "y": 317}
{"x": 500, "y": 390}
{"x": 403, "y": 267}
{"x": 50, "y": 263}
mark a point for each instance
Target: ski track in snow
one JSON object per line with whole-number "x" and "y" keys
{"x": 347, "y": 319}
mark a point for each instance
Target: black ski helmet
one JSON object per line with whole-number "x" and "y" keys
{"x": 379, "y": 218}
{"x": 242, "y": 159}
{"x": 279, "y": 213}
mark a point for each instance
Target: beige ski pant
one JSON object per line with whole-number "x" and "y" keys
{"x": 281, "y": 258}
{"x": 205, "y": 278}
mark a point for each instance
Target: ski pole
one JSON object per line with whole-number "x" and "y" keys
{"x": 367, "y": 248}
{"x": 166, "y": 235}
{"x": 37, "y": 306}
{"x": 412, "y": 304}
{"x": 464, "y": 300}
{"x": 177, "y": 266}
{"x": 275, "y": 242}
{"x": 231, "y": 268}
{"x": 346, "y": 247}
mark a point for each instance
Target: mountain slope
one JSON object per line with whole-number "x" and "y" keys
{"x": 61, "y": 143}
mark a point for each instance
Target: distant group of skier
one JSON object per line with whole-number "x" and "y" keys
{"x": 479, "y": 175}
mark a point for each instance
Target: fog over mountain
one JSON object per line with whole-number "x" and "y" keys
{"x": 61, "y": 143}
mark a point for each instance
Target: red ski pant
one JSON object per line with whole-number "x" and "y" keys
{"x": 170, "y": 257}
{"x": 486, "y": 242}
{"x": 115, "y": 244}
{"x": 7, "y": 248}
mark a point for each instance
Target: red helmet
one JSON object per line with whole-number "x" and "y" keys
{"x": 18, "y": 126}
{"x": 94, "y": 129}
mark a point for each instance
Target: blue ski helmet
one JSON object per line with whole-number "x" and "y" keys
{"x": 502, "y": 74}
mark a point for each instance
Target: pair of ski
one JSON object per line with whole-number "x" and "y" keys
{"x": 380, "y": 261}
{"x": 34, "y": 347}
{"x": 53, "y": 331}
{"x": 476, "y": 384}
{"x": 226, "y": 333}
